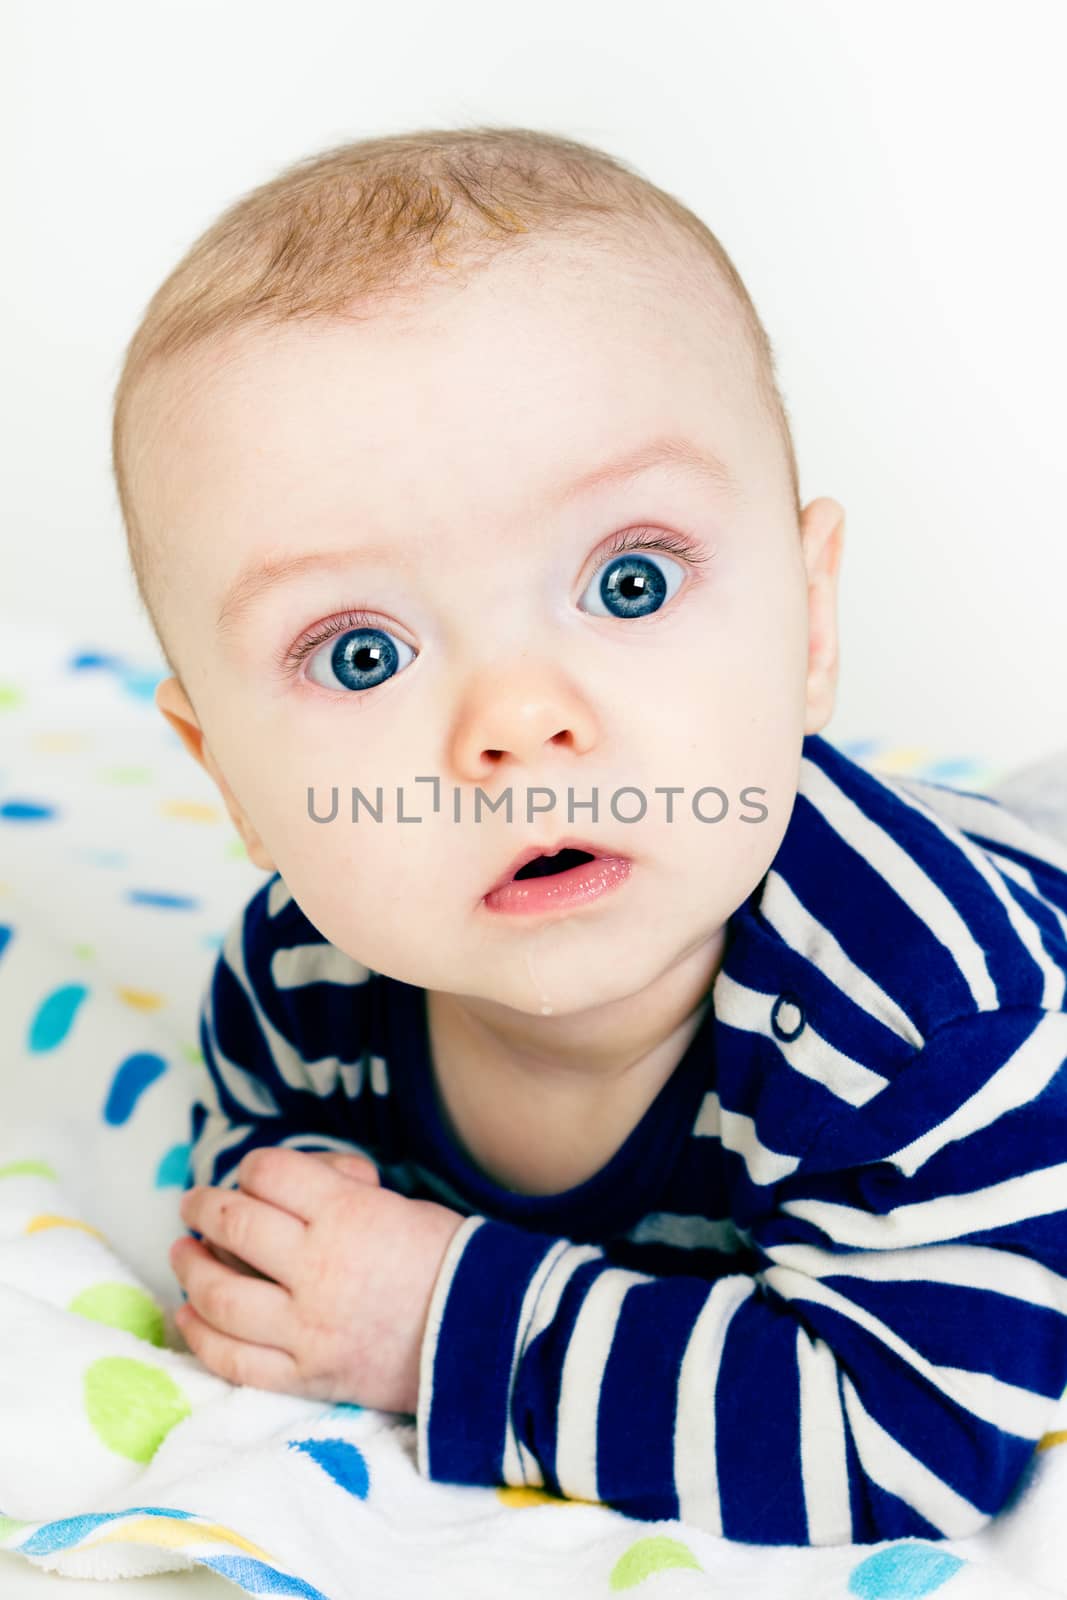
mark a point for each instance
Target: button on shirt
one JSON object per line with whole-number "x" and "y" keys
{"x": 818, "y": 1295}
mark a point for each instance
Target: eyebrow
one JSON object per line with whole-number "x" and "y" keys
{"x": 268, "y": 572}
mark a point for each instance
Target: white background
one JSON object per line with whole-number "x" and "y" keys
{"x": 886, "y": 174}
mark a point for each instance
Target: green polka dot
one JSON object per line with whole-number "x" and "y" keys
{"x": 22, "y": 1169}
{"x": 125, "y": 774}
{"x": 235, "y": 849}
{"x": 132, "y": 1406}
{"x": 121, "y": 1305}
{"x": 85, "y": 951}
{"x": 193, "y": 1053}
{"x": 10, "y": 697}
{"x": 648, "y": 1556}
{"x": 8, "y": 1526}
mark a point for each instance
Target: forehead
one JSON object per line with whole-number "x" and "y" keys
{"x": 474, "y": 398}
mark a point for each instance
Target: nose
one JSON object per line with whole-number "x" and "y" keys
{"x": 514, "y": 715}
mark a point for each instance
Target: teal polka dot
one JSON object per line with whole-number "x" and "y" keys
{"x": 54, "y": 1016}
{"x": 172, "y": 1170}
{"x": 142, "y": 685}
{"x": 103, "y": 858}
{"x": 902, "y": 1572}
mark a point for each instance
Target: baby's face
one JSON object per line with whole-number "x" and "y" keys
{"x": 414, "y": 469}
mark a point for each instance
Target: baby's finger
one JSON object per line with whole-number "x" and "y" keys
{"x": 229, "y": 1260}
{"x": 251, "y": 1365}
{"x": 259, "y": 1312}
{"x": 349, "y": 1164}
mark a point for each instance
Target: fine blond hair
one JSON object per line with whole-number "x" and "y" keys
{"x": 364, "y": 222}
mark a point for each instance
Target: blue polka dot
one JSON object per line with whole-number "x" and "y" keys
{"x": 88, "y": 659}
{"x": 257, "y": 1578}
{"x": 130, "y": 1082}
{"x": 172, "y": 1170}
{"x": 5, "y": 937}
{"x": 27, "y": 811}
{"x": 172, "y": 902}
{"x": 54, "y": 1016}
{"x": 341, "y": 1460}
{"x": 902, "y": 1572}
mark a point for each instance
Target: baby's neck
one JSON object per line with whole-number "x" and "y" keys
{"x": 543, "y": 1108}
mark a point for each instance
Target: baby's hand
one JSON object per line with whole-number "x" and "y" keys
{"x": 348, "y": 1271}
{"x": 347, "y": 1163}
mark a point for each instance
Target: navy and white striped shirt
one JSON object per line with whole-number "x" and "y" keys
{"x": 819, "y": 1295}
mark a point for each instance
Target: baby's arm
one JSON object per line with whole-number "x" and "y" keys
{"x": 886, "y": 1374}
{"x": 266, "y": 1080}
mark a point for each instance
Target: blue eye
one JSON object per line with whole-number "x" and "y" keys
{"x": 357, "y": 658}
{"x": 632, "y": 585}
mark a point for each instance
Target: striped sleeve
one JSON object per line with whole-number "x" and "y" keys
{"x": 887, "y": 1372}
{"x": 270, "y": 1076}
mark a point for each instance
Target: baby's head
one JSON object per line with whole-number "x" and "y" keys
{"x": 456, "y": 463}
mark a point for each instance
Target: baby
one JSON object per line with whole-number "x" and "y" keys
{"x": 655, "y": 1105}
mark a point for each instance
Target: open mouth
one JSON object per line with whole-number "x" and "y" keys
{"x": 549, "y": 866}
{"x": 542, "y": 882}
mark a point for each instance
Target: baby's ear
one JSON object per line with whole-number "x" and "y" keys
{"x": 176, "y": 706}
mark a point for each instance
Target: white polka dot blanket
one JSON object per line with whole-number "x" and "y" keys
{"x": 120, "y": 1454}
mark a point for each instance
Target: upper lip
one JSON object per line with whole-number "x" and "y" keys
{"x": 535, "y": 850}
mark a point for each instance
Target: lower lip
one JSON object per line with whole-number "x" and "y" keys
{"x": 577, "y": 886}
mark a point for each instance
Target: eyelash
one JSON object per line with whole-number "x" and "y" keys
{"x": 671, "y": 544}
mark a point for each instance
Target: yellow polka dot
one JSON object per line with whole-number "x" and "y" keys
{"x": 141, "y": 999}
{"x": 59, "y": 741}
{"x": 529, "y": 1496}
{"x": 191, "y": 810}
{"x": 235, "y": 848}
{"x": 902, "y": 759}
{"x": 1049, "y": 1439}
{"x": 83, "y": 951}
{"x": 48, "y": 1220}
{"x": 176, "y": 1533}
